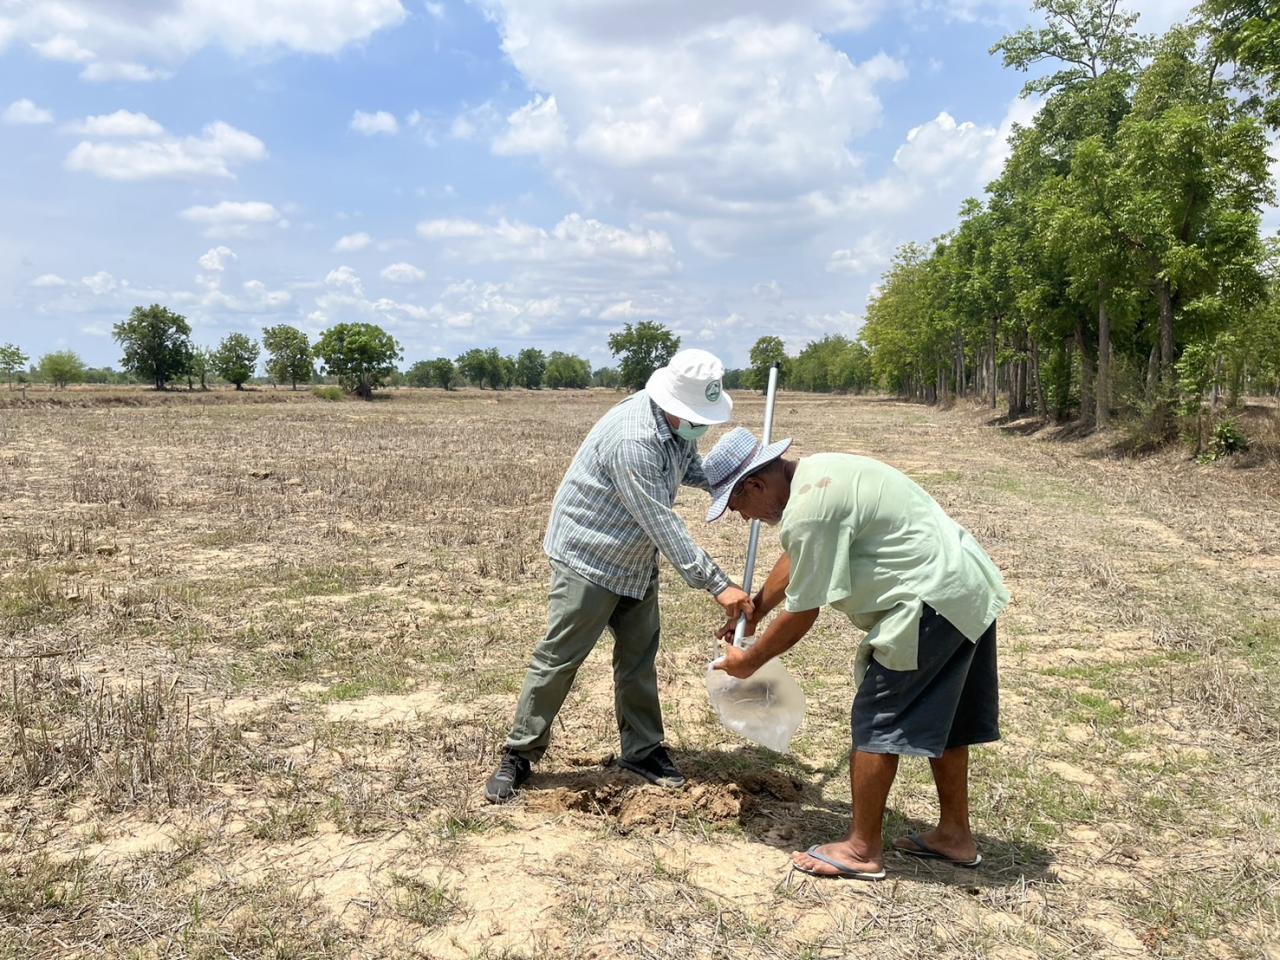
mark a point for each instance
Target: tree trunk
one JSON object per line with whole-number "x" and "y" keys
{"x": 1084, "y": 345}
{"x": 1042, "y": 406}
{"x": 992, "y": 386}
{"x": 1153, "y": 373}
{"x": 1166, "y": 332}
{"x": 1102, "y": 416}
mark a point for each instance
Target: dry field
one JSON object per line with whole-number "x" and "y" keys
{"x": 259, "y": 654}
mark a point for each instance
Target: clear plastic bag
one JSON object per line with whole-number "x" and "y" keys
{"x": 767, "y": 708}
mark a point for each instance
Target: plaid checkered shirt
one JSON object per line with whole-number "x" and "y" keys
{"x": 613, "y": 511}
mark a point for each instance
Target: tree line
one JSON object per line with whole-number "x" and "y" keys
{"x": 1116, "y": 265}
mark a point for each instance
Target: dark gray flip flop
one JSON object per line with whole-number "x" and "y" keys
{"x": 925, "y": 852}
{"x": 845, "y": 872}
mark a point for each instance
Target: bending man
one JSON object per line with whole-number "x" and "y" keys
{"x": 610, "y": 518}
{"x": 866, "y": 540}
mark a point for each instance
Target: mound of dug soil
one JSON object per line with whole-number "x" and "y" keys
{"x": 639, "y": 806}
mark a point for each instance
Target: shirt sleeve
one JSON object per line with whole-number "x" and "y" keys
{"x": 642, "y": 488}
{"x": 819, "y": 552}
{"x": 694, "y": 475}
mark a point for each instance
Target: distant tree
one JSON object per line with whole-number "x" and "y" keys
{"x": 235, "y": 359}
{"x": 642, "y": 348}
{"x": 502, "y": 370}
{"x": 443, "y": 373}
{"x": 11, "y": 361}
{"x": 156, "y": 342}
{"x": 735, "y": 379}
{"x": 289, "y": 358}
{"x": 766, "y": 352}
{"x": 419, "y": 375}
{"x": 531, "y": 364}
{"x": 360, "y": 355}
{"x": 104, "y": 375}
{"x": 564, "y": 370}
{"x": 60, "y": 368}
{"x": 201, "y": 366}
{"x": 606, "y": 377}
{"x": 474, "y": 367}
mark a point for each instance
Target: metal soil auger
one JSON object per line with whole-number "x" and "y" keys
{"x": 768, "y": 707}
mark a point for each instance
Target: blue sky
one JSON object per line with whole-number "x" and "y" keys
{"x": 488, "y": 173}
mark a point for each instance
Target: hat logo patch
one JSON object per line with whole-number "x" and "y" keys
{"x": 712, "y": 392}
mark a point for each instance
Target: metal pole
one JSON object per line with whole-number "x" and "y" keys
{"x": 754, "y": 542}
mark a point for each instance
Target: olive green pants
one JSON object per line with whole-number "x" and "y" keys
{"x": 578, "y": 613}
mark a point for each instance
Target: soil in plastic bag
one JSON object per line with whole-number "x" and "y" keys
{"x": 766, "y": 708}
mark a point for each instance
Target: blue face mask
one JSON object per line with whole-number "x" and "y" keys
{"x": 691, "y": 431}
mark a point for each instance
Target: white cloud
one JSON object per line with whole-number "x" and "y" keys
{"x": 717, "y": 113}
{"x": 574, "y": 239}
{"x": 48, "y": 280}
{"x": 352, "y": 242}
{"x": 772, "y": 290}
{"x": 625, "y": 310}
{"x": 133, "y": 38}
{"x": 403, "y": 273}
{"x": 64, "y": 48}
{"x": 24, "y": 112}
{"x": 217, "y": 259}
{"x": 232, "y": 218}
{"x": 534, "y": 128}
{"x": 102, "y": 71}
{"x": 435, "y": 9}
{"x": 344, "y": 278}
{"x": 475, "y": 123}
{"x": 101, "y": 282}
{"x": 868, "y": 254}
{"x": 374, "y": 123}
{"x": 212, "y": 154}
{"x": 122, "y": 123}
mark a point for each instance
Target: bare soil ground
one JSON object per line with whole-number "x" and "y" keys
{"x": 259, "y": 654}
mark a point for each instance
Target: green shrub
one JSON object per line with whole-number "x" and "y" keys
{"x": 328, "y": 393}
{"x": 1228, "y": 438}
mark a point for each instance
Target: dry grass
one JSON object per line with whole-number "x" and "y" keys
{"x": 259, "y": 653}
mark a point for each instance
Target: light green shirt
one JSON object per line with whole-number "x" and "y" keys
{"x": 868, "y": 541}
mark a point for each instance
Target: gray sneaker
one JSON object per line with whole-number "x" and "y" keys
{"x": 511, "y": 773}
{"x": 657, "y": 768}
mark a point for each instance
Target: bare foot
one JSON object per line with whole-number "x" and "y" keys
{"x": 960, "y": 848}
{"x": 850, "y": 861}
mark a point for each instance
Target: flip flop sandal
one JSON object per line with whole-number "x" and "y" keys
{"x": 925, "y": 852}
{"x": 844, "y": 872}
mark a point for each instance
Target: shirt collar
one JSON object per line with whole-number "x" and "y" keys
{"x": 660, "y": 419}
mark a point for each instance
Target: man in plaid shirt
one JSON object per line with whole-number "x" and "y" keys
{"x": 611, "y": 518}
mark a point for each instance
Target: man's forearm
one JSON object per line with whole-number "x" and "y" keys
{"x": 774, "y": 589}
{"x": 783, "y": 634}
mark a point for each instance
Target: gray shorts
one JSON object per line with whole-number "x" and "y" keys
{"x": 951, "y": 699}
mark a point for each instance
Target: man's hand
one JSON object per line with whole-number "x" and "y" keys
{"x": 730, "y": 628}
{"x": 736, "y": 662}
{"x": 735, "y": 602}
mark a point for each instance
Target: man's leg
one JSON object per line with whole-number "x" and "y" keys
{"x": 578, "y": 613}
{"x": 952, "y": 836}
{"x": 636, "y": 632}
{"x": 870, "y": 778}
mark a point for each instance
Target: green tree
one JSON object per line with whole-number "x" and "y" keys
{"x": 289, "y": 357}
{"x": 201, "y": 366}
{"x": 567, "y": 371}
{"x": 361, "y": 355}
{"x": 766, "y": 352}
{"x": 156, "y": 342}
{"x": 642, "y": 349}
{"x": 235, "y": 359}
{"x": 11, "y": 361}
{"x": 419, "y": 375}
{"x": 531, "y": 365}
{"x": 474, "y": 367}
{"x": 1246, "y": 33}
{"x": 443, "y": 373}
{"x": 60, "y": 368}
{"x": 608, "y": 377}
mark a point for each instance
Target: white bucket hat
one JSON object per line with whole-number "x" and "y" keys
{"x": 690, "y": 387}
